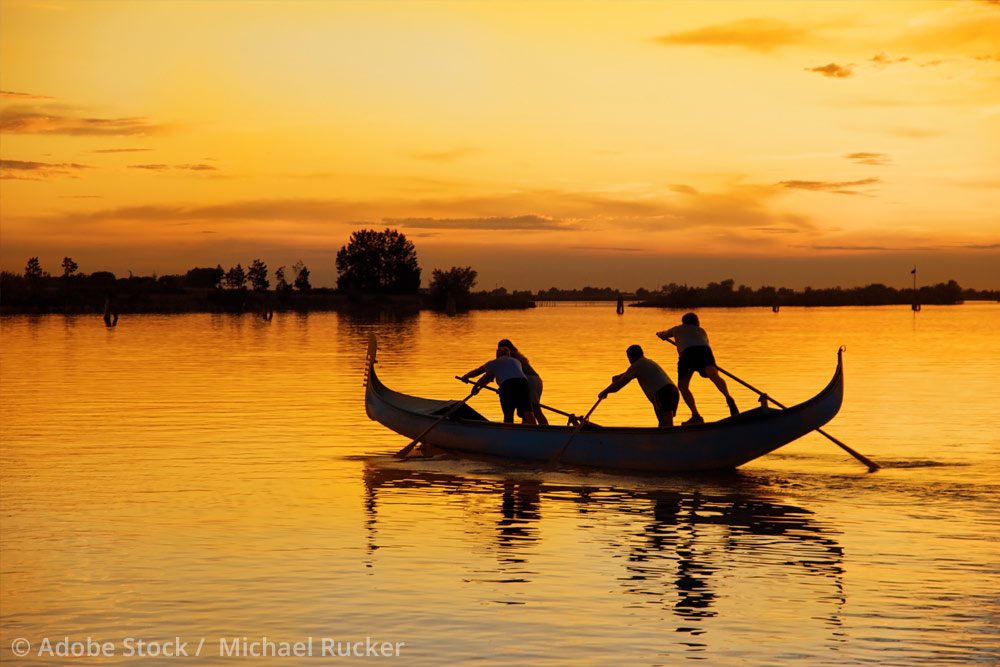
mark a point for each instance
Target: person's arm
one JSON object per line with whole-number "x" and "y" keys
{"x": 482, "y": 382}
{"x": 476, "y": 371}
{"x": 617, "y": 382}
{"x": 669, "y": 334}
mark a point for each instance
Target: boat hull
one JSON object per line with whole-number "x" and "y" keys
{"x": 727, "y": 443}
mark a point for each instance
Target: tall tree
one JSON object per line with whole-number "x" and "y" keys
{"x": 450, "y": 289}
{"x": 236, "y": 278}
{"x": 282, "y": 285}
{"x": 257, "y": 275}
{"x": 33, "y": 270}
{"x": 378, "y": 262}
{"x": 69, "y": 267}
{"x": 301, "y": 276}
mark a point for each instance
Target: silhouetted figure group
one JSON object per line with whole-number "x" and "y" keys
{"x": 520, "y": 386}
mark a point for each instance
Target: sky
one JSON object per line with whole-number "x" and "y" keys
{"x": 544, "y": 144}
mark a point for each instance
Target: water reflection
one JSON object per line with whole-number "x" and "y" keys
{"x": 679, "y": 549}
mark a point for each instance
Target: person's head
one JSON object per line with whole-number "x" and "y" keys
{"x": 634, "y": 352}
{"x": 503, "y": 351}
{"x": 505, "y": 342}
{"x": 690, "y": 318}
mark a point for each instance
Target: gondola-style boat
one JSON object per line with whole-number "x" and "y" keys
{"x": 724, "y": 444}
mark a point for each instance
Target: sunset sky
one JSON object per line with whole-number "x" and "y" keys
{"x": 543, "y": 143}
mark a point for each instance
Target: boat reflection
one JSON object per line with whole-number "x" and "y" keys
{"x": 678, "y": 547}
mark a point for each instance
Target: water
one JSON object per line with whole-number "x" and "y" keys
{"x": 215, "y": 477}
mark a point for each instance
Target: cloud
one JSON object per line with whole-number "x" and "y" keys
{"x": 446, "y": 156}
{"x": 873, "y": 159}
{"x": 33, "y": 120}
{"x": 882, "y": 59}
{"x": 833, "y": 70}
{"x": 601, "y": 248}
{"x": 23, "y": 96}
{"x": 22, "y": 170}
{"x": 519, "y": 223}
{"x": 123, "y": 150}
{"x": 324, "y": 223}
{"x": 867, "y": 248}
{"x": 168, "y": 167}
{"x": 683, "y": 189}
{"x": 983, "y": 246}
{"x": 835, "y": 187}
{"x": 758, "y": 34}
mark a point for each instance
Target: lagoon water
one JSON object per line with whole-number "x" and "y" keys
{"x": 214, "y": 477}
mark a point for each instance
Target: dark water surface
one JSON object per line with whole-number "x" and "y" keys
{"x": 203, "y": 477}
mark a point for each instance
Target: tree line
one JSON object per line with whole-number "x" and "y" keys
{"x": 381, "y": 267}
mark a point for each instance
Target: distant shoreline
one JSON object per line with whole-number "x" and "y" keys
{"x": 135, "y": 295}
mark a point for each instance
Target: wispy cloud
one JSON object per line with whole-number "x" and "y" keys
{"x": 871, "y": 248}
{"x": 171, "y": 167}
{"x": 499, "y": 223}
{"x": 34, "y": 171}
{"x": 833, "y": 70}
{"x": 601, "y": 248}
{"x": 882, "y": 59}
{"x": 123, "y": 150}
{"x": 758, "y": 34}
{"x": 23, "y": 96}
{"x": 550, "y": 211}
{"x": 873, "y": 159}
{"x": 33, "y": 120}
{"x": 519, "y": 223}
{"x": 834, "y": 187}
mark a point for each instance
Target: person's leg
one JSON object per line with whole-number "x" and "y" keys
{"x": 507, "y": 402}
{"x": 535, "y": 386}
{"x": 712, "y": 373}
{"x": 540, "y": 417}
{"x": 688, "y": 397}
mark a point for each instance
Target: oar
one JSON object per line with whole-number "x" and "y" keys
{"x": 555, "y": 459}
{"x": 872, "y": 466}
{"x": 401, "y": 454}
{"x": 541, "y": 405}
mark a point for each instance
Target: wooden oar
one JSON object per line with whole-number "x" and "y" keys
{"x": 401, "y": 454}
{"x": 541, "y": 405}
{"x": 555, "y": 459}
{"x": 872, "y": 466}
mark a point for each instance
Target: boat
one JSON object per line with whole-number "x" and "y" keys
{"x": 725, "y": 444}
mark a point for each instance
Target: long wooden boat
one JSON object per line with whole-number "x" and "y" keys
{"x": 723, "y": 444}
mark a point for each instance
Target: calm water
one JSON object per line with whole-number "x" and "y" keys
{"x": 215, "y": 477}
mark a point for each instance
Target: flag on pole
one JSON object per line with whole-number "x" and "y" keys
{"x": 914, "y": 271}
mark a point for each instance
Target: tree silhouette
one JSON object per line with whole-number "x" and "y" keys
{"x": 257, "y": 275}
{"x": 69, "y": 267}
{"x": 282, "y": 284}
{"x": 33, "y": 270}
{"x": 235, "y": 278}
{"x": 204, "y": 277}
{"x": 378, "y": 262}
{"x": 301, "y": 276}
{"x": 450, "y": 289}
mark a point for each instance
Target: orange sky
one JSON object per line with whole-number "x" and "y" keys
{"x": 543, "y": 143}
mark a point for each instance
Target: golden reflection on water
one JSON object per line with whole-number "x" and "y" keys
{"x": 217, "y": 476}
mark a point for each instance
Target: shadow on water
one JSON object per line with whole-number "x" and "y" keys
{"x": 675, "y": 540}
